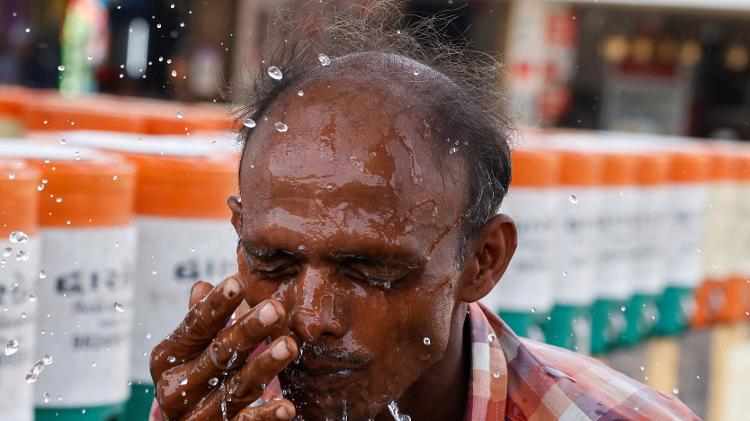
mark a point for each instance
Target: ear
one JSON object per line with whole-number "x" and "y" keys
{"x": 488, "y": 257}
{"x": 235, "y": 204}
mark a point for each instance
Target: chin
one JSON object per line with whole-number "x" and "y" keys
{"x": 330, "y": 397}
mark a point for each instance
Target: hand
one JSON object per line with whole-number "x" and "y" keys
{"x": 200, "y": 371}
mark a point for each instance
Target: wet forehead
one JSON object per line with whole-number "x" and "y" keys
{"x": 349, "y": 147}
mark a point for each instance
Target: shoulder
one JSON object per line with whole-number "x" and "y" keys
{"x": 599, "y": 392}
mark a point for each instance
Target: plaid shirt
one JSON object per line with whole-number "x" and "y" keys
{"x": 519, "y": 379}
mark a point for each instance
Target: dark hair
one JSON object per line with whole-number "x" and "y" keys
{"x": 472, "y": 110}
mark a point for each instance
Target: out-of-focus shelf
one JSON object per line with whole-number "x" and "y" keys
{"x": 712, "y": 5}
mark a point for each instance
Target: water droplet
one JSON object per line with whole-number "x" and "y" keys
{"x": 248, "y": 122}
{"x": 119, "y": 307}
{"x": 183, "y": 382}
{"x": 426, "y": 341}
{"x": 93, "y": 363}
{"x": 416, "y": 73}
{"x": 281, "y": 127}
{"x": 491, "y": 337}
{"x": 300, "y": 93}
{"x": 32, "y": 297}
{"x": 180, "y": 115}
{"x": 77, "y": 156}
{"x": 171, "y": 6}
{"x": 171, "y": 359}
{"x": 58, "y": 200}
{"x": 622, "y": 308}
{"x": 114, "y": 178}
{"x": 452, "y": 150}
{"x": 699, "y": 250}
{"x": 35, "y": 371}
{"x": 396, "y": 412}
{"x": 89, "y": 57}
{"x": 158, "y": 26}
{"x": 40, "y": 187}
{"x": 213, "y": 381}
{"x": 174, "y": 73}
{"x": 61, "y": 68}
{"x": 675, "y": 391}
{"x": 169, "y": 61}
{"x": 496, "y": 374}
{"x": 275, "y": 73}
{"x": 533, "y": 310}
{"x": 573, "y": 199}
{"x": 28, "y": 30}
{"x": 11, "y": 347}
{"x": 12, "y": 175}
{"x": 42, "y": 274}
{"x": 7, "y": 252}
{"x": 47, "y": 359}
{"x": 324, "y": 60}
{"x": 18, "y": 237}
{"x": 45, "y": 397}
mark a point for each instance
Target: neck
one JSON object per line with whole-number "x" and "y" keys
{"x": 440, "y": 393}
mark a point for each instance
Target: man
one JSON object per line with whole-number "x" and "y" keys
{"x": 369, "y": 186}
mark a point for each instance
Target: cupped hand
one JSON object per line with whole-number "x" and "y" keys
{"x": 201, "y": 371}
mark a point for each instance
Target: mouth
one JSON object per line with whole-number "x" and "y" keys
{"x": 323, "y": 374}
{"x": 325, "y": 369}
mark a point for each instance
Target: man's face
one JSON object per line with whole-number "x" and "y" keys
{"x": 347, "y": 220}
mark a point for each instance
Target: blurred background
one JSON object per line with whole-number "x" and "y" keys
{"x": 631, "y": 185}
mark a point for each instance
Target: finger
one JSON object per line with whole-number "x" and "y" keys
{"x": 199, "y": 291}
{"x": 248, "y": 383}
{"x": 281, "y": 410}
{"x": 229, "y": 350}
{"x": 204, "y": 320}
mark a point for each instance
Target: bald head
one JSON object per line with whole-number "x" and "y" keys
{"x": 379, "y": 76}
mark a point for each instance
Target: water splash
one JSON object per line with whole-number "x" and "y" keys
{"x": 248, "y": 122}
{"x": 275, "y": 73}
{"x": 18, "y": 237}
{"x": 396, "y": 412}
{"x": 11, "y": 347}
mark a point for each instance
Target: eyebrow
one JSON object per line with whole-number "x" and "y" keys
{"x": 374, "y": 256}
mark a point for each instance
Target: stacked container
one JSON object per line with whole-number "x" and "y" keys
{"x": 19, "y": 268}
{"x": 742, "y": 234}
{"x": 649, "y": 229}
{"x": 569, "y": 325}
{"x": 524, "y": 297}
{"x": 184, "y": 235}
{"x": 731, "y": 286}
{"x": 686, "y": 209}
{"x": 84, "y": 325}
{"x": 616, "y": 221}
{"x": 715, "y": 254}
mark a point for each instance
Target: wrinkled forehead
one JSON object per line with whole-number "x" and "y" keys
{"x": 338, "y": 144}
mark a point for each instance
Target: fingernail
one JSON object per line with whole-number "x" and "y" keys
{"x": 280, "y": 351}
{"x": 284, "y": 413}
{"x": 267, "y": 315}
{"x": 231, "y": 288}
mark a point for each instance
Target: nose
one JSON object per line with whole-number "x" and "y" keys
{"x": 317, "y": 313}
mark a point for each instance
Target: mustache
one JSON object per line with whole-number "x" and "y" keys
{"x": 311, "y": 350}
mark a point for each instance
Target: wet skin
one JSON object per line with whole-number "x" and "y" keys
{"x": 349, "y": 231}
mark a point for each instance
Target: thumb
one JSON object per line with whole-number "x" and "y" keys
{"x": 199, "y": 290}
